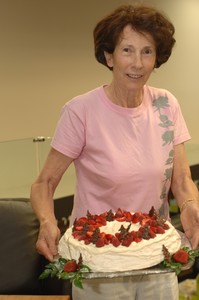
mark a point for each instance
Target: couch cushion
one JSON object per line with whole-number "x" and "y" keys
{"x": 20, "y": 263}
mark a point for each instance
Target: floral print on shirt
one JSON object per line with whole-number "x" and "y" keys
{"x": 160, "y": 104}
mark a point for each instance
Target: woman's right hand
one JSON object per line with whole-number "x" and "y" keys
{"x": 48, "y": 239}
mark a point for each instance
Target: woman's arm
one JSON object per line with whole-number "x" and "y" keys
{"x": 186, "y": 195}
{"x": 42, "y": 192}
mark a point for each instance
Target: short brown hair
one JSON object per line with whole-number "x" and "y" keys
{"x": 142, "y": 19}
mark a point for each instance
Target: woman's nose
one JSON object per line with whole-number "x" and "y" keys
{"x": 137, "y": 61}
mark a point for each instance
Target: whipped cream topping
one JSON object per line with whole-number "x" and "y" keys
{"x": 108, "y": 258}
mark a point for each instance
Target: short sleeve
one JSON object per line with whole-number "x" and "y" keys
{"x": 69, "y": 137}
{"x": 181, "y": 133}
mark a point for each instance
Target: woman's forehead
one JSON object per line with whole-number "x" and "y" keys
{"x": 129, "y": 34}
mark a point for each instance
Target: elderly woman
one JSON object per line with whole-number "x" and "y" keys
{"x": 126, "y": 140}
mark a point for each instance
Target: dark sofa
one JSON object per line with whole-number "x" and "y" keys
{"x": 20, "y": 264}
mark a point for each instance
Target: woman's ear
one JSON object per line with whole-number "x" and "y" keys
{"x": 109, "y": 59}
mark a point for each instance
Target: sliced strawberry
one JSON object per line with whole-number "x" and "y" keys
{"x": 109, "y": 236}
{"x": 100, "y": 221}
{"x": 91, "y": 227}
{"x": 76, "y": 235}
{"x": 128, "y": 216}
{"x": 102, "y": 235}
{"x": 119, "y": 213}
{"x": 89, "y": 233}
{"x": 103, "y": 215}
{"x": 79, "y": 228}
{"x": 82, "y": 237}
{"x": 137, "y": 217}
{"x": 92, "y": 222}
{"x": 120, "y": 219}
{"x": 145, "y": 221}
{"x": 81, "y": 221}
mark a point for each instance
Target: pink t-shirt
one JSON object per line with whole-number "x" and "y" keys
{"x": 123, "y": 156}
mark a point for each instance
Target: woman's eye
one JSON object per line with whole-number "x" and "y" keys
{"x": 126, "y": 49}
{"x": 147, "y": 51}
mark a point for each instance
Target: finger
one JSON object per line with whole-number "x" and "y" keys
{"x": 194, "y": 244}
{"x": 43, "y": 249}
{"x": 52, "y": 247}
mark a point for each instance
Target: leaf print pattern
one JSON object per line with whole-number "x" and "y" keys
{"x": 165, "y": 122}
{"x": 167, "y": 137}
{"x": 160, "y": 104}
{"x": 167, "y": 174}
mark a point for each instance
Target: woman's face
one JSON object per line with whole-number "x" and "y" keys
{"x": 133, "y": 59}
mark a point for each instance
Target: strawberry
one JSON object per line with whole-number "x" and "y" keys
{"x": 118, "y": 235}
{"x": 119, "y": 213}
{"x": 76, "y": 235}
{"x": 87, "y": 241}
{"x": 102, "y": 235}
{"x": 145, "y": 221}
{"x": 100, "y": 221}
{"x": 70, "y": 266}
{"x": 82, "y": 237}
{"x": 100, "y": 243}
{"x": 89, "y": 233}
{"x": 137, "y": 217}
{"x": 165, "y": 226}
{"x": 115, "y": 242}
{"x": 154, "y": 229}
{"x": 181, "y": 256}
{"x": 79, "y": 228}
{"x": 109, "y": 237}
{"x": 91, "y": 227}
{"x": 151, "y": 233}
{"x": 153, "y": 223}
{"x": 120, "y": 219}
{"x": 160, "y": 230}
{"x": 103, "y": 215}
{"x": 128, "y": 216}
{"x": 81, "y": 221}
{"x": 137, "y": 239}
{"x": 127, "y": 242}
{"x": 133, "y": 233}
{"x": 92, "y": 222}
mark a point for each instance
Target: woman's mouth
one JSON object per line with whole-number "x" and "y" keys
{"x": 134, "y": 76}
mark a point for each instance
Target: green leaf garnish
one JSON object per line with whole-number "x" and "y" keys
{"x": 170, "y": 262}
{"x": 56, "y": 269}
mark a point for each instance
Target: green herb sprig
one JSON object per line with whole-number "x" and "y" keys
{"x": 57, "y": 269}
{"x": 177, "y": 266}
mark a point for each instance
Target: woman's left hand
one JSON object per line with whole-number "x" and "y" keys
{"x": 190, "y": 222}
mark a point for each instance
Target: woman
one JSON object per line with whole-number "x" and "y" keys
{"x": 126, "y": 140}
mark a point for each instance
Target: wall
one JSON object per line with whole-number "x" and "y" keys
{"x": 46, "y": 57}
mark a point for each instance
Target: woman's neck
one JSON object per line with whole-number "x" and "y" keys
{"x": 128, "y": 99}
